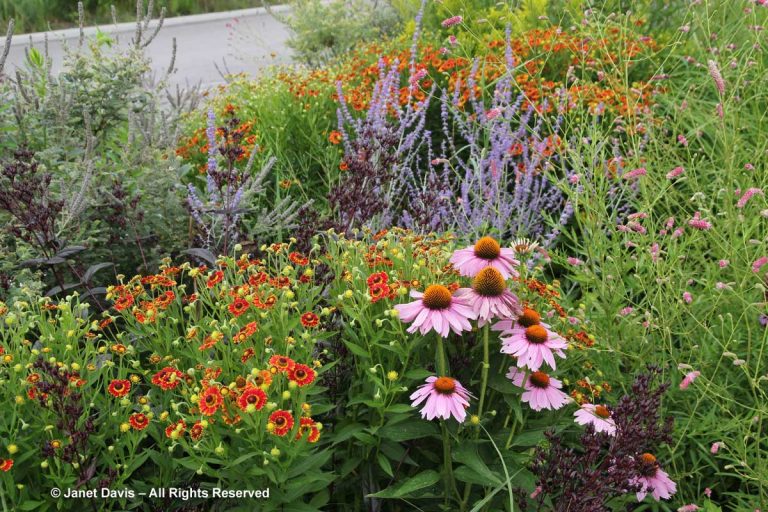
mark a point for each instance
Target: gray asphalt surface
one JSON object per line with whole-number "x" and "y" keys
{"x": 234, "y": 41}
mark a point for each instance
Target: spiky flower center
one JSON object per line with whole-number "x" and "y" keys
{"x": 536, "y": 334}
{"x": 540, "y": 379}
{"x": 445, "y": 385}
{"x": 603, "y": 412}
{"x": 437, "y": 296}
{"x": 648, "y": 458}
{"x": 648, "y": 465}
{"x": 487, "y": 248}
{"x": 529, "y": 318}
{"x": 489, "y": 283}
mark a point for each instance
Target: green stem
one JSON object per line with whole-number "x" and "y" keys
{"x": 484, "y": 372}
{"x": 441, "y": 367}
{"x": 450, "y": 483}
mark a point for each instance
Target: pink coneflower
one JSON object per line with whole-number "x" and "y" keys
{"x": 714, "y": 72}
{"x": 489, "y": 296}
{"x": 674, "y": 173}
{"x": 759, "y": 263}
{"x": 453, "y": 20}
{"x": 445, "y": 397}
{"x": 533, "y": 346}
{"x": 541, "y": 390}
{"x": 437, "y": 309}
{"x": 698, "y": 223}
{"x": 653, "y": 479}
{"x": 598, "y": 416}
{"x": 688, "y": 379}
{"x": 485, "y": 253}
{"x": 749, "y": 194}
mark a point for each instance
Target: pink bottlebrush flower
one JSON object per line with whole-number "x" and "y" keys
{"x": 714, "y": 72}
{"x": 417, "y": 76}
{"x": 749, "y": 194}
{"x": 688, "y": 379}
{"x": 453, "y": 20}
{"x": 574, "y": 261}
{"x": 536, "y": 492}
{"x": 445, "y": 397}
{"x": 574, "y": 179}
{"x": 749, "y": 167}
{"x": 654, "y": 250}
{"x": 489, "y": 297}
{"x": 493, "y": 113}
{"x": 682, "y": 140}
{"x": 635, "y": 173}
{"x": 637, "y": 215}
{"x": 598, "y": 416}
{"x": 677, "y": 233}
{"x": 715, "y": 447}
{"x": 452, "y": 40}
{"x": 687, "y": 297}
{"x": 689, "y": 508}
{"x": 723, "y": 263}
{"x": 541, "y": 390}
{"x": 719, "y": 110}
{"x": 698, "y": 223}
{"x": 533, "y": 346}
{"x": 437, "y": 309}
{"x": 674, "y": 173}
{"x": 485, "y": 253}
{"x": 759, "y": 263}
{"x": 626, "y": 311}
{"x": 653, "y": 479}
{"x": 670, "y": 223}
{"x": 707, "y": 492}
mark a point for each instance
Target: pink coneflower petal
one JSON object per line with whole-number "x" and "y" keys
{"x": 443, "y": 398}
{"x": 598, "y": 416}
{"x": 541, "y": 390}
{"x": 485, "y": 253}
{"x": 436, "y": 309}
{"x": 533, "y": 346}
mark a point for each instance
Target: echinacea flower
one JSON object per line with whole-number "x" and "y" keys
{"x": 445, "y": 397}
{"x": 118, "y": 388}
{"x": 485, "y": 253}
{"x": 280, "y": 422}
{"x": 437, "y": 308}
{"x": 598, "y": 416}
{"x": 533, "y": 346}
{"x": 489, "y": 296}
{"x": 541, "y": 390}
{"x": 653, "y": 479}
{"x": 252, "y": 399}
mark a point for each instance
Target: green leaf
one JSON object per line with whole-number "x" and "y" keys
{"x": 466, "y": 453}
{"x": 407, "y": 431}
{"x": 406, "y": 487}
{"x": 31, "y": 505}
{"x": 357, "y": 350}
{"x": 384, "y": 464}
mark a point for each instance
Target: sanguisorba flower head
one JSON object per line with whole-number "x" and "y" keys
{"x": 485, "y": 253}
{"x": 599, "y": 416}
{"x": 437, "y": 308}
{"x": 489, "y": 296}
{"x": 533, "y": 345}
{"x": 541, "y": 390}
{"x": 445, "y": 397}
{"x": 653, "y": 479}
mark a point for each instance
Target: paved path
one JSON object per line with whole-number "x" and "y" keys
{"x": 238, "y": 41}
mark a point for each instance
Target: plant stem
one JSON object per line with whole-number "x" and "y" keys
{"x": 484, "y": 372}
{"x": 441, "y": 366}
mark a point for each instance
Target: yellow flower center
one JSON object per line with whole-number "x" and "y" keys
{"x": 445, "y": 385}
{"x": 603, "y": 412}
{"x": 529, "y": 318}
{"x": 487, "y": 248}
{"x": 489, "y": 282}
{"x": 539, "y": 379}
{"x": 536, "y": 334}
{"x": 437, "y": 296}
